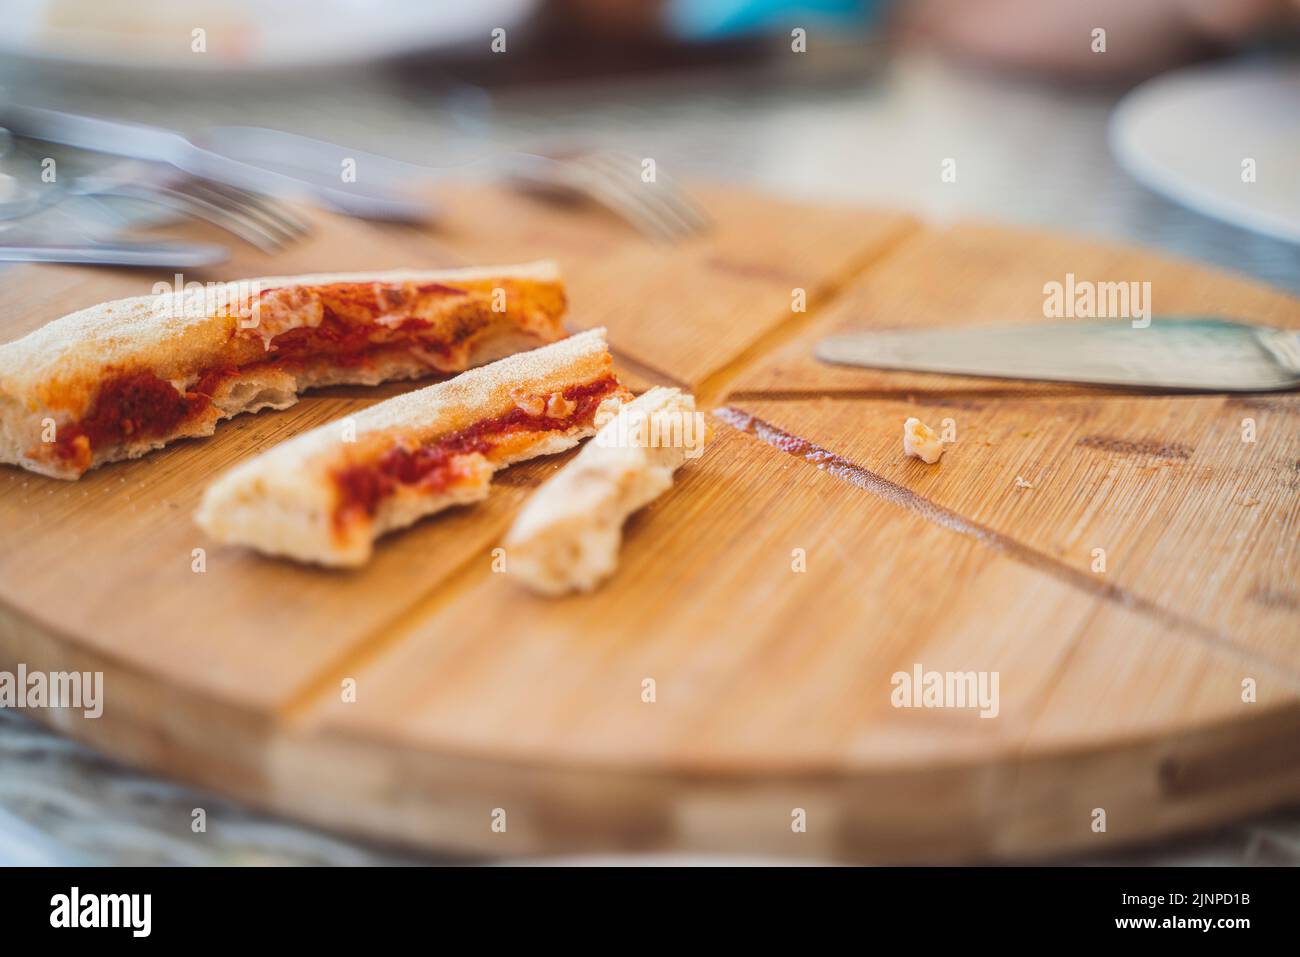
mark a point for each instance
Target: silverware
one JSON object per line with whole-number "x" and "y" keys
{"x": 661, "y": 210}
{"x": 265, "y": 223}
{"x": 264, "y": 161}
{"x": 351, "y": 181}
{"x": 1203, "y": 354}
{"x": 360, "y": 183}
{"x": 116, "y": 253}
{"x": 15, "y": 202}
{"x": 51, "y": 233}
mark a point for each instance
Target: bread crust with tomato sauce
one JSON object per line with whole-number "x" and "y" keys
{"x": 327, "y": 495}
{"x": 122, "y": 378}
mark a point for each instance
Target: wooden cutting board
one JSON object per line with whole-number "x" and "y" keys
{"x": 767, "y": 600}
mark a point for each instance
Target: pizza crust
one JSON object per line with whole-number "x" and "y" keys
{"x": 54, "y": 374}
{"x": 284, "y": 501}
{"x": 568, "y": 535}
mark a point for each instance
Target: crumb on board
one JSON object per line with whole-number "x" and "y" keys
{"x": 921, "y": 441}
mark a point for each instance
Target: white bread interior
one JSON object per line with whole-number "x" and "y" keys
{"x": 282, "y": 501}
{"x": 54, "y": 372}
{"x": 568, "y": 535}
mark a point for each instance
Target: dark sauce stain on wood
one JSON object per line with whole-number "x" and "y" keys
{"x": 1149, "y": 448}
{"x": 847, "y": 471}
{"x": 1287, "y": 405}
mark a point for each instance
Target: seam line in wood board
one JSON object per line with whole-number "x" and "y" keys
{"x": 939, "y": 396}
{"x": 863, "y": 478}
{"x": 713, "y": 387}
{"x": 355, "y": 658}
{"x": 646, "y": 371}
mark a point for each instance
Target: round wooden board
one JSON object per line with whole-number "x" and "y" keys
{"x": 732, "y": 689}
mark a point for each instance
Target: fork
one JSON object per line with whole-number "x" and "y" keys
{"x": 270, "y": 159}
{"x": 265, "y": 223}
{"x": 661, "y": 210}
{"x": 274, "y": 162}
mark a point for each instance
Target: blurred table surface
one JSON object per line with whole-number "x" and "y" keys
{"x": 874, "y": 134}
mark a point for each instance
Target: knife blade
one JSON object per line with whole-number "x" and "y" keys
{"x": 272, "y": 162}
{"x": 1174, "y": 352}
{"x": 179, "y": 255}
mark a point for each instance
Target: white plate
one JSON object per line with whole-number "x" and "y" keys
{"x": 242, "y": 36}
{"x": 1186, "y": 135}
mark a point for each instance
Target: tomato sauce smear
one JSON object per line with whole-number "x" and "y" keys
{"x": 434, "y": 467}
{"x": 350, "y": 329}
{"x": 135, "y": 405}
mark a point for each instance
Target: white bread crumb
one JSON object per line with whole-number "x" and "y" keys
{"x": 567, "y": 536}
{"x": 921, "y": 441}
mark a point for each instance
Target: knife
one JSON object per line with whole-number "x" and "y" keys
{"x": 1174, "y": 352}
{"x": 272, "y": 162}
{"x": 121, "y": 252}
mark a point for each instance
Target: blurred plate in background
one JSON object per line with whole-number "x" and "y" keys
{"x": 242, "y": 35}
{"x": 1188, "y": 134}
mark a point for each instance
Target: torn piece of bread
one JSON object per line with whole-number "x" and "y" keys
{"x": 122, "y": 378}
{"x": 326, "y": 495}
{"x": 568, "y": 535}
{"x": 921, "y": 441}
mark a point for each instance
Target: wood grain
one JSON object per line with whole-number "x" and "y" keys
{"x": 1199, "y": 527}
{"x": 778, "y": 697}
{"x": 771, "y": 595}
{"x": 689, "y": 310}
